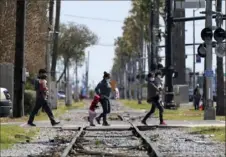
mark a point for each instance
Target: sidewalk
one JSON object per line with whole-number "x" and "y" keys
{"x": 77, "y": 118}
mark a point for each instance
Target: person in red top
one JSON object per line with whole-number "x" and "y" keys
{"x": 92, "y": 108}
{"x": 41, "y": 99}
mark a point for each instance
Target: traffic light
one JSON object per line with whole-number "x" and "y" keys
{"x": 219, "y": 35}
{"x": 202, "y": 50}
{"x": 206, "y": 34}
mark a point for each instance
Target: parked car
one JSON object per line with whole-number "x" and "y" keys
{"x": 5, "y": 103}
{"x": 61, "y": 95}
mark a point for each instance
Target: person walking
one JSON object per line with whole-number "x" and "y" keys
{"x": 92, "y": 108}
{"x": 197, "y": 97}
{"x": 103, "y": 89}
{"x": 155, "y": 98}
{"x": 41, "y": 99}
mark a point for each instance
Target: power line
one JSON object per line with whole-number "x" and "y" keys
{"x": 93, "y": 18}
{"x": 104, "y": 45}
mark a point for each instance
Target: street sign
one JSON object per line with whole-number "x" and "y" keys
{"x": 208, "y": 73}
{"x": 225, "y": 74}
{"x": 190, "y": 4}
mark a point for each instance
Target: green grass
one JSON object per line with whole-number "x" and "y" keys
{"x": 11, "y": 134}
{"x": 134, "y": 105}
{"x": 183, "y": 113}
{"x": 61, "y": 109}
{"x": 217, "y": 132}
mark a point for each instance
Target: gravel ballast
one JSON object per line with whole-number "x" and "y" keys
{"x": 180, "y": 143}
{"x": 110, "y": 143}
{"x": 45, "y": 144}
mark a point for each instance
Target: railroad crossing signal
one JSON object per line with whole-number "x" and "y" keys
{"x": 219, "y": 34}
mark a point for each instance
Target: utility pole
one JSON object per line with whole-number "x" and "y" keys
{"x": 87, "y": 74}
{"x": 151, "y": 55}
{"x": 220, "y": 69}
{"x": 55, "y": 40}
{"x": 209, "y": 113}
{"x": 169, "y": 94}
{"x": 134, "y": 64}
{"x": 51, "y": 8}
{"x": 194, "y": 53}
{"x": 19, "y": 69}
{"x": 125, "y": 82}
{"x": 68, "y": 88}
{"x": 141, "y": 61}
{"x": 48, "y": 48}
{"x": 156, "y": 31}
{"x": 225, "y": 68}
{"x": 76, "y": 81}
{"x": 178, "y": 46}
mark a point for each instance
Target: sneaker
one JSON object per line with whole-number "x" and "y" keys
{"x": 163, "y": 123}
{"x": 144, "y": 122}
{"x": 106, "y": 124}
{"x": 92, "y": 125}
{"x": 31, "y": 124}
{"x": 98, "y": 120}
{"x": 55, "y": 123}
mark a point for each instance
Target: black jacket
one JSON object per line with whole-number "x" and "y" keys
{"x": 103, "y": 88}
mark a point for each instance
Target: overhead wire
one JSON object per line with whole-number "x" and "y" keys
{"x": 94, "y": 18}
{"x": 106, "y": 20}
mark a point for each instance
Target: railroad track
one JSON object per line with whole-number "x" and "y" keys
{"x": 111, "y": 142}
{"x": 138, "y": 141}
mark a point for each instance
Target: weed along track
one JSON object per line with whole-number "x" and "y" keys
{"x": 109, "y": 142}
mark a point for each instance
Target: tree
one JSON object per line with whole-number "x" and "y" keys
{"x": 136, "y": 31}
{"x": 73, "y": 40}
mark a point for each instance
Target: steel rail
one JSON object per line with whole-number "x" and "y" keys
{"x": 152, "y": 150}
{"x": 69, "y": 147}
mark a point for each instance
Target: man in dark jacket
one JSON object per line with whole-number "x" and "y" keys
{"x": 197, "y": 97}
{"x": 41, "y": 99}
{"x": 155, "y": 83}
{"x": 103, "y": 89}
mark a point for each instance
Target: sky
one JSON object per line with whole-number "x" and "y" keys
{"x": 102, "y": 54}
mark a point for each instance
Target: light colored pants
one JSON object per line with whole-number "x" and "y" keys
{"x": 92, "y": 115}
